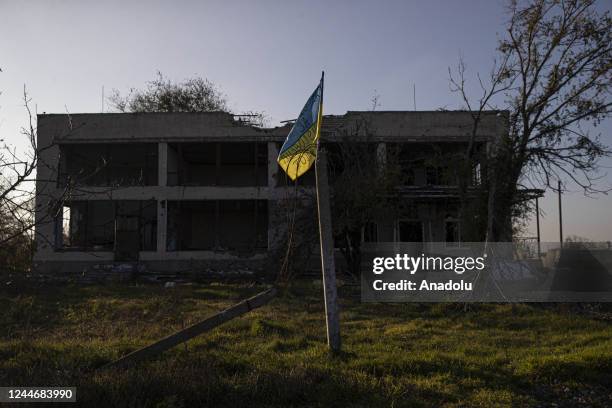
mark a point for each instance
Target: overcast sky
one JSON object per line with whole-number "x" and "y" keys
{"x": 265, "y": 56}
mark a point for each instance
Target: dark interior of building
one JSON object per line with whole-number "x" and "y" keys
{"x": 224, "y": 225}
{"x": 218, "y": 164}
{"x": 109, "y": 164}
{"x": 104, "y": 225}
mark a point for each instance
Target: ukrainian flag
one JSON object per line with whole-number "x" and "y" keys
{"x": 299, "y": 151}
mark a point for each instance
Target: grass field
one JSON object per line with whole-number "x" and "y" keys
{"x": 394, "y": 354}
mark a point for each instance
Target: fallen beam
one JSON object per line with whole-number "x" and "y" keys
{"x": 190, "y": 332}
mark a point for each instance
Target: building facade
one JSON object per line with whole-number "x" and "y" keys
{"x": 202, "y": 192}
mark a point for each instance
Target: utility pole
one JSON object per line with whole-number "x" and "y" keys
{"x": 538, "y": 225}
{"x": 327, "y": 253}
{"x": 560, "y": 215}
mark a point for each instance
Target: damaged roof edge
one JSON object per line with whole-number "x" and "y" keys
{"x": 177, "y": 126}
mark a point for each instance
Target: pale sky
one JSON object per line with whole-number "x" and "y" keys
{"x": 265, "y": 56}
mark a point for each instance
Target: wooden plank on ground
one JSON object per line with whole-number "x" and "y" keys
{"x": 195, "y": 330}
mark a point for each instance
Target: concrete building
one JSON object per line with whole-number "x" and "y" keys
{"x": 200, "y": 191}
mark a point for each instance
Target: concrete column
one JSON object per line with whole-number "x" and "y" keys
{"x": 162, "y": 225}
{"x": 162, "y": 180}
{"x": 381, "y": 155}
{"x": 47, "y": 233}
{"x": 273, "y": 208}
{"x": 162, "y": 164}
{"x": 272, "y": 164}
{"x": 384, "y": 230}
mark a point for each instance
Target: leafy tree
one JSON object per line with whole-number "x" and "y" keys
{"x": 192, "y": 95}
{"x": 163, "y": 95}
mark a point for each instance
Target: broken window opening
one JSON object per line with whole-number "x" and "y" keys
{"x": 409, "y": 231}
{"x": 108, "y": 164}
{"x": 370, "y": 232}
{"x": 440, "y": 176}
{"x": 66, "y": 235}
{"x": 98, "y": 225}
{"x": 425, "y": 164}
{"x": 239, "y": 164}
{"x": 410, "y": 160}
{"x": 452, "y": 232}
{"x": 357, "y": 157}
{"x": 476, "y": 175}
{"x": 219, "y": 225}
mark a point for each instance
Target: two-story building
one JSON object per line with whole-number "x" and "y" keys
{"x": 201, "y": 191}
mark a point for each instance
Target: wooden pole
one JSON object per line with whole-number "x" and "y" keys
{"x": 327, "y": 254}
{"x": 538, "y": 225}
{"x": 560, "y": 215}
{"x": 195, "y": 330}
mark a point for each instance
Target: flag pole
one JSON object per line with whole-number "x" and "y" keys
{"x": 327, "y": 243}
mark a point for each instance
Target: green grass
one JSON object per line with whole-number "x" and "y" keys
{"x": 397, "y": 355}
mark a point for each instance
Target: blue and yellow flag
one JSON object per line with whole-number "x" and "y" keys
{"x": 299, "y": 151}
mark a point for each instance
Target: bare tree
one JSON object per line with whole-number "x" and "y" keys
{"x": 496, "y": 84}
{"x": 555, "y": 76}
{"x": 18, "y": 202}
{"x": 363, "y": 181}
{"x": 17, "y": 170}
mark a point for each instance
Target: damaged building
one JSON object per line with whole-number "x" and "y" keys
{"x": 201, "y": 192}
